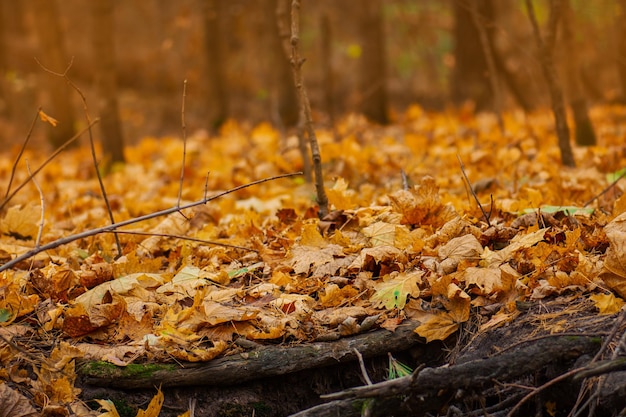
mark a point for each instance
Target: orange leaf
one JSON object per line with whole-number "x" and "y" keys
{"x": 45, "y": 118}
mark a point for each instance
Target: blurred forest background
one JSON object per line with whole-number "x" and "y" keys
{"x": 375, "y": 57}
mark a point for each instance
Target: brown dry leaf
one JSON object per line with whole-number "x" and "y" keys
{"x": 303, "y": 258}
{"x": 614, "y": 271}
{"x": 495, "y": 259}
{"x": 422, "y": 205}
{"x": 14, "y": 404}
{"x": 435, "y": 326}
{"x": 457, "y": 249}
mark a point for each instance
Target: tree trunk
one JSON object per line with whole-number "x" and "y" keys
{"x": 585, "y": 136}
{"x": 372, "y": 78}
{"x": 215, "y": 91}
{"x": 106, "y": 80}
{"x": 621, "y": 47}
{"x": 545, "y": 47}
{"x": 469, "y": 77}
{"x": 282, "y": 90}
{"x": 52, "y": 55}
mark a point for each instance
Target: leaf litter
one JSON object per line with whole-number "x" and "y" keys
{"x": 388, "y": 252}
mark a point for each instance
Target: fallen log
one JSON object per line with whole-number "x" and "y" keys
{"x": 423, "y": 389}
{"x": 266, "y": 361}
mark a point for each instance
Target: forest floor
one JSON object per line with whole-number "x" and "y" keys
{"x": 249, "y": 304}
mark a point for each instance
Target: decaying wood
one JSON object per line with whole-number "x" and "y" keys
{"x": 476, "y": 374}
{"x": 264, "y": 362}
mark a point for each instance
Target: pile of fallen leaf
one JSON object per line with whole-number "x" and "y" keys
{"x": 405, "y": 240}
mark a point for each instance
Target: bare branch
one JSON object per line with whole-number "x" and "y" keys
{"x": 43, "y": 208}
{"x": 21, "y": 152}
{"x": 184, "y": 127}
{"x": 46, "y": 162}
{"x": 91, "y": 144}
{"x": 181, "y": 237}
{"x": 305, "y": 105}
{"x": 113, "y": 227}
{"x": 469, "y": 185}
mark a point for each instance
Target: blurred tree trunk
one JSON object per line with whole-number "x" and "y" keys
{"x": 106, "y": 80}
{"x": 469, "y": 77}
{"x": 584, "y": 134}
{"x": 546, "y": 47}
{"x": 5, "y": 102}
{"x": 215, "y": 92}
{"x": 327, "y": 72}
{"x": 282, "y": 90}
{"x": 52, "y": 55}
{"x": 372, "y": 76}
{"x": 483, "y": 27}
{"x": 621, "y": 47}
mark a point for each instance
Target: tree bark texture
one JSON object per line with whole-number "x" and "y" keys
{"x": 106, "y": 80}
{"x": 545, "y": 47}
{"x": 53, "y": 57}
{"x": 260, "y": 363}
{"x": 215, "y": 89}
{"x": 470, "y": 74}
{"x": 584, "y": 133}
{"x": 373, "y": 61}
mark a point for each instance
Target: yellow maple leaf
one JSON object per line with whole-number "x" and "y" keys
{"x": 109, "y": 407}
{"x": 435, "y": 326}
{"x": 311, "y": 236}
{"x": 340, "y": 196}
{"x": 380, "y": 233}
{"x": 394, "y": 292}
{"x": 21, "y": 221}
{"x": 154, "y": 408}
{"x": 607, "y": 303}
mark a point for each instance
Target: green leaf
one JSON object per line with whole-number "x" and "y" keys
{"x": 394, "y": 292}
{"x": 397, "y": 369}
{"x": 568, "y": 210}
{"x": 611, "y": 177}
{"x": 5, "y": 315}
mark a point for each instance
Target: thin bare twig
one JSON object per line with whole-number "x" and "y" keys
{"x": 184, "y": 127}
{"x": 115, "y": 226}
{"x": 607, "y": 189}
{"x": 21, "y": 152}
{"x": 91, "y": 143}
{"x": 305, "y": 105}
{"x": 469, "y": 185}
{"x": 181, "y": 237}
{"x": 43, "y": 208}
{"x": 368, "y": 381}
{"x": 46, "y": 162}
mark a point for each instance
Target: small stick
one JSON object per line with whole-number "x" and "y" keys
{"x": 469, "y": 184}
{"x": 91, "y": 144}
{"x": 115, "y": 226}
{"x": 362, "y": 366}
{"x": 181, "y": 237}
{"x": 46, "y": 162}
{"x": 43, "y": 207}
{"x": 184, "y": 127}
{"x": 21, "y": 152}
{"x": 305, "y": 105}
{"x": 607, "y": 189}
